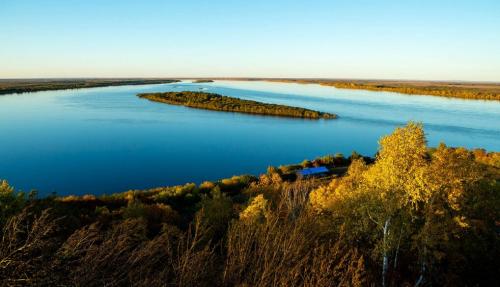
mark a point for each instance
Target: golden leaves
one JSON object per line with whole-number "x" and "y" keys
{"x": 404, "y": 174}
{"x": 257, "y": 211}
{"x": 5, "y": 187}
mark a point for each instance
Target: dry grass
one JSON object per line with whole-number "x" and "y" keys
{"x": 290, "y": 248}
{"x": 27, "y": 242}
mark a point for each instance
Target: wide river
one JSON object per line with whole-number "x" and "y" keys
{"x": 105, "y": 140}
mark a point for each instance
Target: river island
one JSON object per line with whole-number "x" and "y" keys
{"x": 216, "y": 102}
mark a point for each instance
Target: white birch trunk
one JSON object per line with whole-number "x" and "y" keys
{"x": 385, "y": 262}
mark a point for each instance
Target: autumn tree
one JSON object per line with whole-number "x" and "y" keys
{"x": 409, "y": 198}
{"x": 380, "y": 197}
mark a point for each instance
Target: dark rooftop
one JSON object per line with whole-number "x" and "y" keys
{"x": 313, "y": 171}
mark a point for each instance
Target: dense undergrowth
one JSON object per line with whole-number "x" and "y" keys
{"x": 415, "y": 216}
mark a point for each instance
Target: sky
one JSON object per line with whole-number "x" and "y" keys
{"x": 418, "y": 40}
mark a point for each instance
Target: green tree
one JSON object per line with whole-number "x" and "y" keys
{"x": 10, "y": 201}
{"x": 216, "y": 212}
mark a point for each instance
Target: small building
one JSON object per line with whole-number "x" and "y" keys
{"x": 313, "y": 172}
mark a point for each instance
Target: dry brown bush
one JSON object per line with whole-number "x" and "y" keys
{"x": 290, "y": 249}
{"x": 122, "y": 255}
{"x": 27, "y": 242}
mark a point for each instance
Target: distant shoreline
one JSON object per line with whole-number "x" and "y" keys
{"x": 450, "y": 89}
{"x": 216, "y": 102}
{"x": 39, "y": 85}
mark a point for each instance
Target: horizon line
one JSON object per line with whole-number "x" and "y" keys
{"x": 258, "y": 78}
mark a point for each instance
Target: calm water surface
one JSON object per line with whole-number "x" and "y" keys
{"x": 105, "y": 140}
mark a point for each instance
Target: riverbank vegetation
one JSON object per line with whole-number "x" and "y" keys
{"x": 463, "y": 90}
{"x": 216, "y": 102}
{"x": 35, "y": 85}
{"x": 413, "y": 216}
{"x": 479, "y": 91}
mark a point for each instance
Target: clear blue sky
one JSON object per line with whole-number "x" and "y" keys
{"x": 426, "y": 39}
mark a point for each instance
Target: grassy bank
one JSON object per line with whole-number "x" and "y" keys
{"x": 413, "y": 214}
{"x": 25, "y": 86}
{"x": 450, "y": 90}
{"x": 215, "y": 102}
{"x": 463, "y": 90}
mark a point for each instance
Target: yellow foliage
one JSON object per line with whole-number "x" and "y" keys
{"x": 265, "y": 179}
{"x": 325, "y": 198}
{"x": 88, "y": 197}
{"x": 276, "y": 178}
{"x": 258, "y": 210}
{"x": 451, "y": 170}
{"x": 129, "y": 196}
{"x": 492, "y": 158}
{"x": 460, "y": 220}
{"x": 208, "y": 185}
{"x": 403, "y": 175}
{"x": 405, "y": 183}
{"x": 397, "y": 178}
{"x": 5, "y": 187}
{"x": 399, "y": 172}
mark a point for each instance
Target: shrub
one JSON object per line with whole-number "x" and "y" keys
{"x": 174, "y": 191}
{"x": 306, "y": 163}
{"x": 206, "y": 186}
{"x": 257, "y": 211}
{"x": 156, "y": 213}
{"x": 10, "y": 202}
{"x": 236, "y": 183}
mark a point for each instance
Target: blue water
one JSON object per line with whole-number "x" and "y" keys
{"x": 105, "y": 140}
